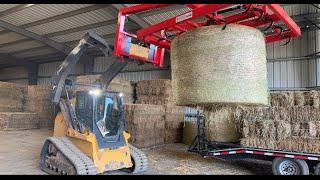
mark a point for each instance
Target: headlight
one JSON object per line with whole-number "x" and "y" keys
{"x": 120, "y": 95}
{"x": 95, "y": 92}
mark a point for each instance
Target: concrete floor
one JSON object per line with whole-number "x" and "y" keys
{"x": 19, "y": 154}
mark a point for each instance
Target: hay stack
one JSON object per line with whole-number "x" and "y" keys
{"x": 289, "y": 99}
{"x": 146, "y": 124}
{"x": 12, "y": 97}
{"x": 314, "y": 98}
{"x": 210, "y": 65}
{"x": 220, "y": 124}
{"x": 283, "y": 99}
{"x": 299, "y": 99}
{"x": 157, "y": 92}
{"x": 283, "y": 128}
{"x": 117, "y": 84}
{"x": 18, "y": 121}
{"x": 174, "y": 117}
{"x": 39, "y": 101}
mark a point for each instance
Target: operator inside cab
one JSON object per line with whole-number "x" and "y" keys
{"x": 108, "y": 111}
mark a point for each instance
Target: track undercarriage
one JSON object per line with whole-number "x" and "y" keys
{"x": 60, "y": 156}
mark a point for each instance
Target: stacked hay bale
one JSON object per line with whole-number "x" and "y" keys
{"x": 38, "y": 100}
{"x": 154, "y": 92}
{"x": 12, "y": 97}
{"x": 159, "y": 92}
{"x": 285, "y": 125}
{"x": 189, "y": 132}
{"x": 190, "y": 124}
{"x": 15, "y": 107}
{"x": 117, "y": 84}
{"x": 146, "y": 124}
{"x": 174, "y": 117}
{"x": 220, "y": 123}
{"x": 18, "y": 121}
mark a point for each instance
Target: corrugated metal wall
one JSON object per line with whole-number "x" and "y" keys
{"x": 284, "y": 73}
{"x": 15, "y": 75}
{"x": 47, "y": 70}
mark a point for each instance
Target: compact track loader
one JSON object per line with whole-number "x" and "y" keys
{"x": 89, "y": 136}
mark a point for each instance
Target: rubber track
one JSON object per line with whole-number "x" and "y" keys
{"x": 82, "y": 163}
{"x": 140, "y": 159}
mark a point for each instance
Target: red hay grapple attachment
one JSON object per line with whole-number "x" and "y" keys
{"x": 154, "y": 39}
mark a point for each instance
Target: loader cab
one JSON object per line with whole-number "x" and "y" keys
{"x": 102, "y": 114}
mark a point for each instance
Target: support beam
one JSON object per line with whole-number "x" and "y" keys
{"x": 132, "y": 17}
{"x": 160, "y": 10}
{"x": 69, "y": 43}
{"x": 301, "y": 17}
{"x": 61, "y": 16}
{"x": 15, "y": 9}
{"x": 59, "y": 46}
{"x": 83, "y": 28}
{"x": 68, "y": 31}
{"x": 29, "y": 34}
{"x": 11, "y": 59}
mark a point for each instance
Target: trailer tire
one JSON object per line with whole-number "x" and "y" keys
{"x": 289, "y": 166}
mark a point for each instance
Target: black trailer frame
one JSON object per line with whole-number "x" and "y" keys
{"x": 234, "y": 151}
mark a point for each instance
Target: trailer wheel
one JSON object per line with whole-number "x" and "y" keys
{"x": 289, "y": 166}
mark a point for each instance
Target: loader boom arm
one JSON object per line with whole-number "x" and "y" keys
{"x": 69, "y": 63}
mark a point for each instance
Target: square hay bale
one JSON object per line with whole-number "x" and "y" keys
{"x": 220, "y": 124}
{"x": 117, "y": 84}
{"x": 154, "y": 92}
{"x": 314, "y": 98}
{"x": 146, "y": 124}
{"x": 18, "y": 121}
{"x": 189, "y": 132}
{"x": 152, "y": 99}
{"x": 283, "y": 99}
{"x": 12, "y": 97}
{"x": 284, "y": 128}
{"x": 299, "y": 98}
{"x": 160, "y": 87}
{"x": 174, "y": 118}
{"x": 39, "y": 101}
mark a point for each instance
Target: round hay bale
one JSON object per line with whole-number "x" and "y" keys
{"x": 213, "y": 66}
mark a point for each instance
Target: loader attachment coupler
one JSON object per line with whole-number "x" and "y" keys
{"x": 89, "y": 40}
